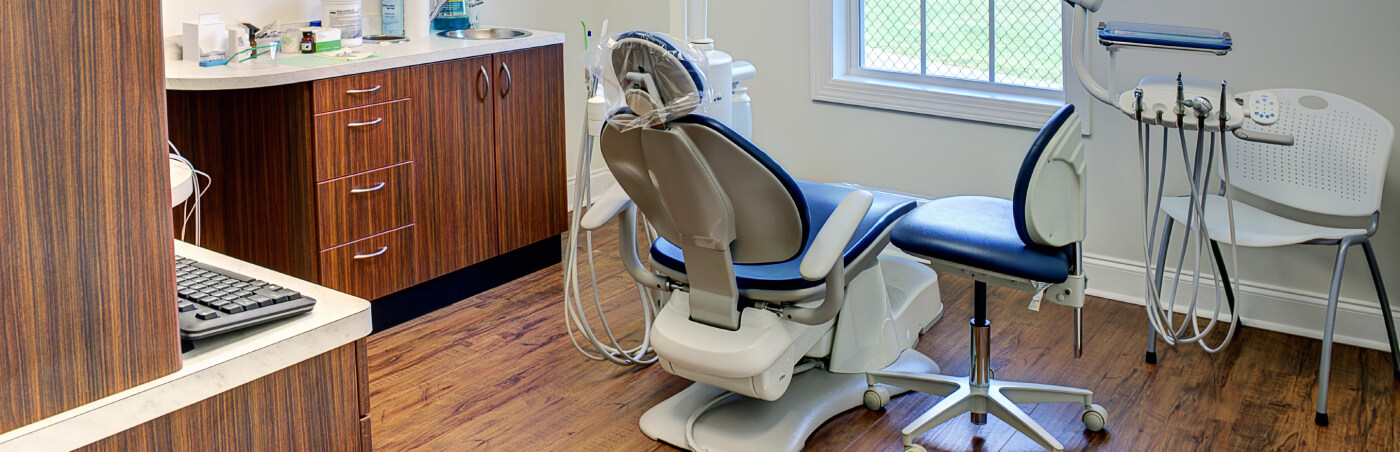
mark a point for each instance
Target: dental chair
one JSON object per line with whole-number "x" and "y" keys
{"x": 779, "y": 300}
{"x": 1030, "y": 242}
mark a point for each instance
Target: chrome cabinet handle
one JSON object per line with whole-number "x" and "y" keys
{"x": 505, "y": 87}
{"x": 362, "y": 124}
{"x": 362, "y": 91}
{"x": 367, "y": 190}
{"x": 487, "y": 77}
{"x": 382, "y": 250}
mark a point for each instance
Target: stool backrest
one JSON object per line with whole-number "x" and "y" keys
{"x": 1336, "y": 165}
{"x": 1049, "y": 199}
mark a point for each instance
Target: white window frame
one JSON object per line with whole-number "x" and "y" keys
{"x": 837, "y": 77}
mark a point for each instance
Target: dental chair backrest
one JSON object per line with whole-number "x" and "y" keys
{"x": 1051, "y": 190}
{"x": 702, "y": 186}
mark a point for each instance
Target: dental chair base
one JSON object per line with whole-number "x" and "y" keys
{"x": 759, "y": 388}
{"x": 737, "y": 423}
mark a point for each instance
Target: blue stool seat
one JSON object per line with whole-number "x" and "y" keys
{"x": 978, "y": 232}
{"x": 821, "y": 201}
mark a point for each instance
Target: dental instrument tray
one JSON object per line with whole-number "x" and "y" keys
{"x": 1133, "y": 34}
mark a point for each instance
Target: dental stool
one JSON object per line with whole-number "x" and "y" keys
{"x": 1029, "y": 242}
{"x": 777, "y": 298}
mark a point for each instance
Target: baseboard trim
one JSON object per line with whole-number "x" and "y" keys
{"x": 600, "y": 180}
{"x": 1262, "y": 306}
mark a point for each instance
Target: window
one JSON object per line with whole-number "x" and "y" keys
{"x": 999, "y": 61}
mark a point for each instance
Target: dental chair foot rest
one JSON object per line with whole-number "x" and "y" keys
{"x": 740, "y": 423}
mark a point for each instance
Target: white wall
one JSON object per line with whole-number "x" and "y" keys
{"x": 258, "y": 12}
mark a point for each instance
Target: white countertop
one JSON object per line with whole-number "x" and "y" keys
{"x": 188, "y": 76}
{"x": 217, "y": 364}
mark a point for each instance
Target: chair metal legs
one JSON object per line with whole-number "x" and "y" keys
{"x": 1325, "y": 370}
{"x": 1385, "y": 307}
{"x": 1157, "y": 285}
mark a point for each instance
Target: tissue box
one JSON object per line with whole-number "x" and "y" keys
{"x": 323, "y": 39}
{"x": 206, "y": 40}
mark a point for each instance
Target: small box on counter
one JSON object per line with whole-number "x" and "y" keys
{"x": 319, "y": 39}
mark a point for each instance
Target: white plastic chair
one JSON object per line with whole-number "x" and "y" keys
{"x": 1336, "y": 167}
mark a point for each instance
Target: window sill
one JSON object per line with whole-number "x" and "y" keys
{"x": 974, "y": 105}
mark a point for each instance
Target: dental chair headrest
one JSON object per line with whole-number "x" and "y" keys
{"x": 652, "y": 75}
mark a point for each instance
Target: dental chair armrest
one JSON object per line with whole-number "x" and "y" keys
{"x": 830, "y": 245}
{"x": 613, "y": 202}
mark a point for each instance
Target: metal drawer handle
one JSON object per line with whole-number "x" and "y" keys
{"x": 362, "y": 124}
{"x": 362, "y": 91}
{"x": 367, "y": 190}
{"x": 484, "y": 76}
{"x": 505, "y": 87}
{"x": 382, "y": 250}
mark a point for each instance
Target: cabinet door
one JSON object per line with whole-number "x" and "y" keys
{"x": 455, "y": 166}
{"x": 530, "y": 145}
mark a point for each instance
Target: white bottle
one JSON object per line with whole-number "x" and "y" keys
{"x": 391, "y": 11}
{"x": 347, "y": 16}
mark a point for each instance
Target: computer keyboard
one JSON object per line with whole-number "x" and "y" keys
{"x": 215, "y": 301}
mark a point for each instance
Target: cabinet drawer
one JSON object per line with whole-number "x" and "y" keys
{"x": 362, "y": 139}
{"x": 361, "y": 89}
{"x": 372, "y": 267}
{"x": 355, "y": 207}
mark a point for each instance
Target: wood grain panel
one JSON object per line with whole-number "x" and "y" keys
{"x": 530, "y": 146}
{"x": 310, "y": 406}
{"x": 255, "y": 143}
{"x": 391, "y": 268}
{"x": 86, "y": 273}
{"x": 1255, "y": 395}
{"x": 346, "y": 216}
{"x": 456, "y": 167}
{"x": 381, "y": 86}
{"x": 363, "y": 139}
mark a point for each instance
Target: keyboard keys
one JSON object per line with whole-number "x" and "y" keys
{"x": 187, "y": 306}
{"x": 207, "y": 315}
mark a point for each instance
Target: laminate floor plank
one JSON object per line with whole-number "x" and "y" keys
{"x": 498, "y": 372}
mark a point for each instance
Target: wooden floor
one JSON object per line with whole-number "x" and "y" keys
{"x": 498, "y": 372}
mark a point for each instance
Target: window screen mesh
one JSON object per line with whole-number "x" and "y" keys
{"x": 1013, "y": 42}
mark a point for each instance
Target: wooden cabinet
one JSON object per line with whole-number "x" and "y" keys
{"x": 470, "y": 155}
{"x": 314, "y": 405}
{"x": 493, "y": 163}
{"x": 529, "y": 136}
{"x": 457, "y": 167}
{"x": 87, "y": 273}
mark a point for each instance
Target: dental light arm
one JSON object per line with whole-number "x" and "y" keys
{"x": 1076, "y": 51}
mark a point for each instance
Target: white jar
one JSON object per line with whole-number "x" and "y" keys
{"x": 347, "y": 16}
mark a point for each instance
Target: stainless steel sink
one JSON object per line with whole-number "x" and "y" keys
{"x": 485, "y": 33}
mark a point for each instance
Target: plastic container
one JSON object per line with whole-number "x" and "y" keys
{"x": 452, "y": 17}
{"x": 346, "y": 15}
{"x": 391, "y": 11}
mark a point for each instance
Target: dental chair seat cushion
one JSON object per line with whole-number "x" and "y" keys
{"x": 978, "y": 232}
{"x": 821, "y": 202}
